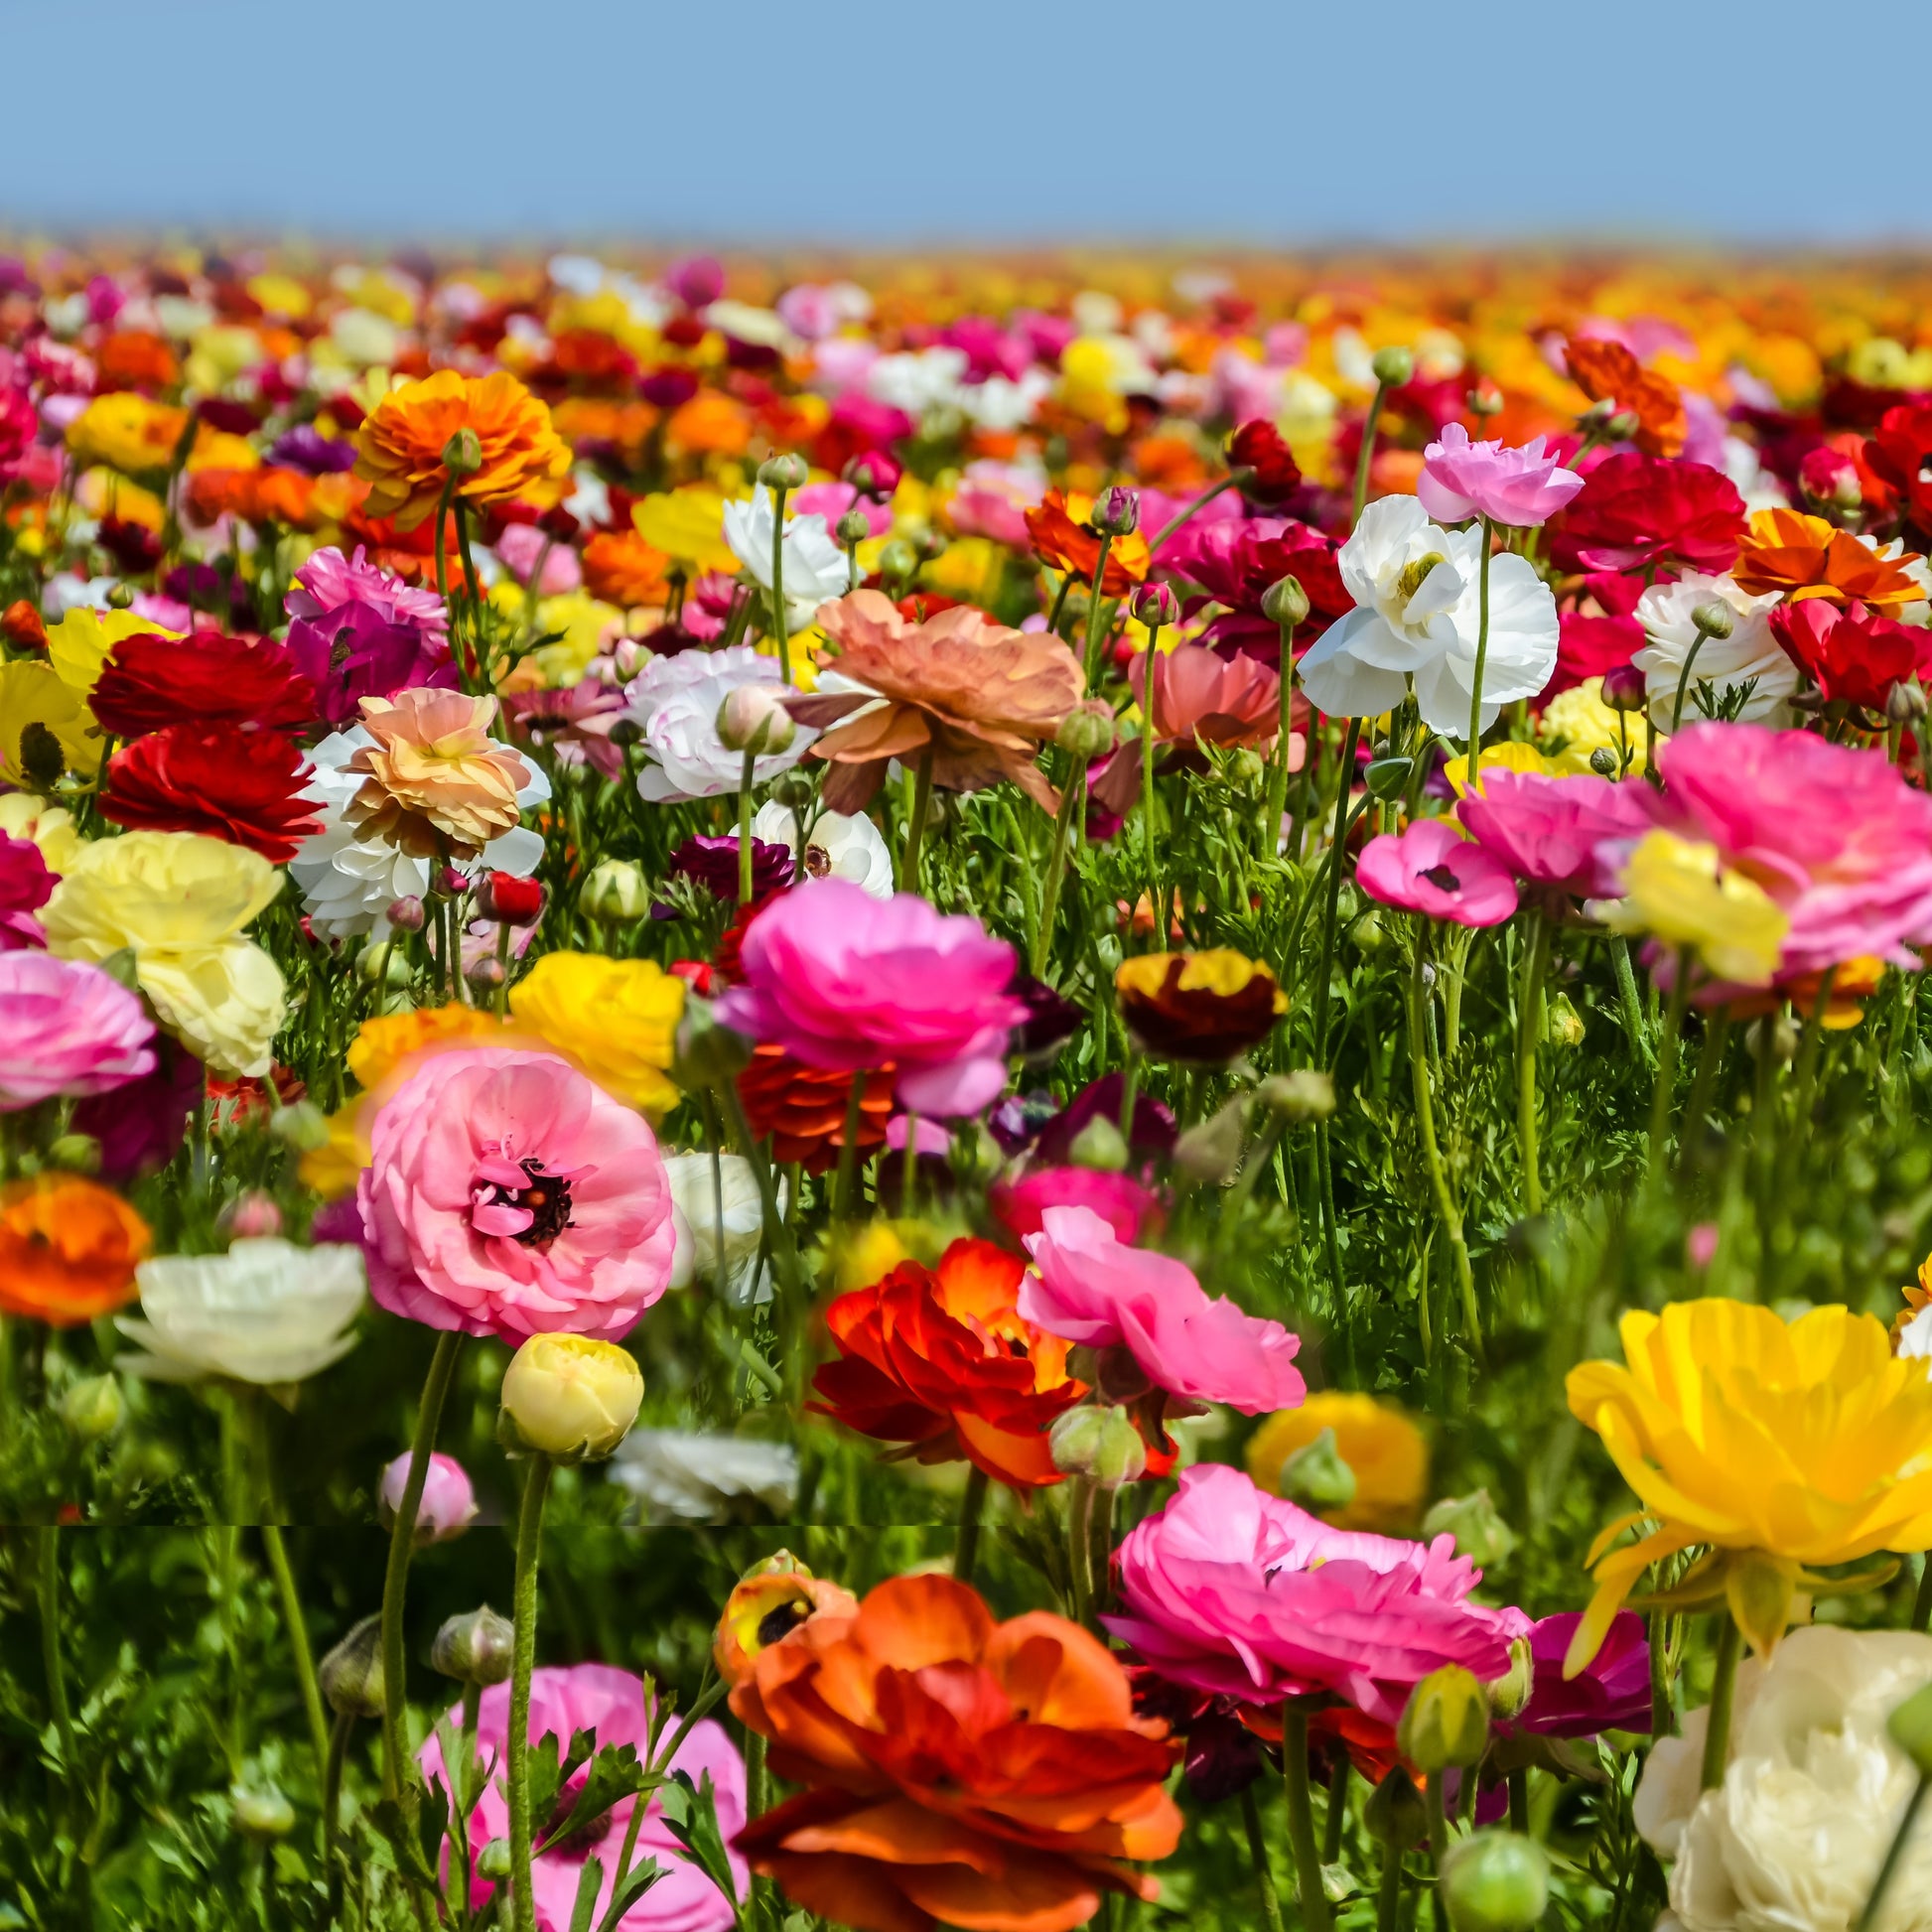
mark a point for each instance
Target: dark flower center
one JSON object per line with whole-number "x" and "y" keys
{"x": 1441, "y": 878}
{"x": 818, "y": 862}
{"x": 545, "y": 1198}
{"x": 776, "y": 1625}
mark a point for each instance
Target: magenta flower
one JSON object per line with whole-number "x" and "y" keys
{"x": 1550, "y": 832}
{"x": 615, "y": 1708}
{"x": 361, "y": 632}
{"x": 1094, "y": 1291}
{"x": 67, "y": 1029}
{"x": 847, "y": 983}
{"x": 1520, "y": 487}
{"x": 1429, "y": 870}
{"x": 1120, "y": 1200}
{"x": 1612, "y": 1693}
{"x": 1237, "y": 1593}
{"x": 329, "y": 582}
{"x": 508, "y": 1195}
{"x": 139, "y": 1126}
{"x": 449, "y": 1504}
{"x": 26, "y": 885}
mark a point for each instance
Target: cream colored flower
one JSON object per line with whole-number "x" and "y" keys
{"x": 50, "y": 827}
{"x": 682, "y": 1477}
{"x": 570, "y": 1397}
{"x": 694, "y": 1213}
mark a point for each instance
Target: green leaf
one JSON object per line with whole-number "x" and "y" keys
{"x": 614, "y": 1775}
{"x": 691, "y": 1815}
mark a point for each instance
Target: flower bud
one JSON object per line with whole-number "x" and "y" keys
{"x": 784, "y": 472}
{"x": 508, "y": 899}
{"x": 1446, "y": 1721}
{"x": 74, "y": 1154}
{"x": 1509, "y": 1693}
{"x": 1285, "y": 603}
{"x": 301, "y": 1125}
{"x": 1605, "y": 763}
{"x": 449, "y": 1503}
{"x": 1246, "y": 768}
{"x": 1624, "y": 688}
{"x": 494, "y": 1860}
{"x": 1098, "y": 1443}
{"x": 1563, "y": 1025}
{"x": 1480, "y": 1534}
{"x": 616, "y": 892}
{"x": 22, "y": 625}
{"x": 475, "y": 1648}
{"x": 92, "y": 1407}
{"x": 1306, "y": 1094}
{"x": 1496, "y": 1881}
{"x": 1395, "y": 1814}
{"x": 1713, "y": 619}
{"x": 1388, "y": 777}
{"x": 250, "y": 1217}
{"x": 852, "y": 528}
{"x": 1905, "y": 703}
{"x": 1088, "y": 734}
{"x": 1099, "y": 1145}
{"x": 875, "y": 473}
{"x": 754, "y": 719}
{"x": 1209, "y": 1152}
{"x": 1116, "y": 511}
{"x": 463, "y": 454}
{"x": 571, "y": 1398}
{"x": 1910, "y": 1726}
{"x": 1367, "y": 933}
{"x": 1485, "y": 399}
{"x": 1318, "y": 1477}
{"x": 1153, "y": 605}
{"x": 120, "y": 597}
{"x": 351, "y": 1674}
{"x": 1777, "y": 1034}
{"x": 261, "y": 1814}
{"x": 897, "y": 560}
{"x": 624, "y": 733}
{"x": 1830, "y": 477}
{"x": 1623, "y": 425}
{"x": 1393, "y": 365}
{"x": 406, "y": 914}
{"x": 705, "y": 1054}
{"x": 484, "y": 976}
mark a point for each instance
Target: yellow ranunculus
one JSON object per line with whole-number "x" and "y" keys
{"x": 1510, "y": 756}
{"x": 688, "y": 526}
{"x": 334, "y": 1167}
{"x": 1584, "y": 723}
{"x": 615, "y": 1018}
{"x": 1678, "y": 890}
{"x": 31, "y": 694}
{"x": 385, "y": 1040}
{"x": 570, "y": 1397}
{"x": 1776, "y": 1444}
{"x": 1388, "y": 1454}
{"x": 78, "y": 644}
{"x": 179, "y": 902}
{"x": 584, "y": 623}
{"x": 126, "y": 432}
{"x": 50, "y": 827}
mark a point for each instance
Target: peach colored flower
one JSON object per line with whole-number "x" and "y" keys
{"x": 435, "y": 783}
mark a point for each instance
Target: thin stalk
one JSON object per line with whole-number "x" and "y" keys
{"x": 1301, "y": 1819}
{"x": 1367, "y": 456}
{"x": 331, "y": 1807}
{"x": 1446, "y": 1207}
{"x": 1922, "y": 1602}
{"x": 1894, "y": 1855}
{"x": 1529, "y": 1031}
{"x": 1663, "y": 1703}
{"x": 1474, "y": 773}
{"x": 745, "y": 828}
{"x": 1331, "y": 911}
{"x": 57, "y": 1683}
{"x": 529, "y": 1541}
{"x": 1271, "y": 831}
{"x": 1684, "y": 682}
{"x": 1090, "y": 657}
{"x": 972, "y": 1506}
{"x": 909, "y": 864}
{"x": 442, "y": 549}
{"x": 1147, "y": 801}
{"x": 781, "y": 631}
{"x": 1628, "y": 1004}
{"x": 1059, "y": 604}
{"x": 1723, "y": 1685}
{"x": 1717, "y": 1033}
{"x": 299, "y": 1646}
{"x": 1388, "y": 1893}
{"x": 1519, "y": 1801}
{"x": 1070, "y": 794}
{"x": 500, "y": 998}
{"x": 1336, "y": 1815}
{"x": 1080, "y": 1545}
{"x": 1233, "y": 480}
{"x": 1664, "y": 1089}
{"x": 1271, "y": 1906}
{"x": 848, "y": 1182}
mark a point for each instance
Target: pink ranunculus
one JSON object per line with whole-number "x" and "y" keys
{"x": 1550, "y": 832}
{"x": 508, "y": 1195}
{"x": 67, "y": 1028}
{"x": 846, "y": 982}
{"x": 1520, "y": 487}
{"x": 449, "y": 1504}
{"x": 329, "y": 581}
{"x": 993, "y": 499}
{"x": 26, "y": 885}
{"x": 1127, "y": 1208}
{"x": 1238, "y": 1593}
{"x": 831, "y": 500}
{"x": 616, "y": 1709}
{"x": 1095, "y": 1290}
{"x": 1428, "y": 868}
{"x": 1832, "y": 833}
{"x": 522, "y": 546}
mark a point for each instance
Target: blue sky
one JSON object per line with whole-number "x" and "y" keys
{"x": 1195, "y": 121}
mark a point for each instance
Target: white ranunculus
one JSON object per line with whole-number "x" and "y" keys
{"x": 266, "y": 1311}
{"x": 1005, "y": 402}
{"x": 676, "y": 699}
{"x": 1915, "y": 1338}
{"x": 1793, "y": 1837}
{"x": 1750, "y": 651}
{"x": 682, "y": 1477}
{"x": 918, "y": 379}
{"x": 694, "y": 1217}
{"x": 815, "y": 566}
{"x": 838, "y": 846}
{"x": 1417, "y": 617}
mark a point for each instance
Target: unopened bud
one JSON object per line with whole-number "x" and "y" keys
{"x": 1116, "y": 511}
{"x": 1496, "y": 1881}
{"x": 616, "y": 892}
{"x": 74, "y": 1154}
{"x": 1153, "y": 605}
{"x": 1368, "y": 933}
{"x": 1393, "y": 365}
{"x": 1246, "y": 768}
{"x": 754, "y": 719}
{"x": 351, "y": 1674}
{"x": 1509, "y": 1693}
{"x": 250, "y": 1217}
{"x": 897, "y": 560}
{"x": 1308, "y": 1094}
{"x": 1088, "y": 734}
{"x": 259, "y": 1813}
{"x": 1905, "y": 703}
{"x": 705, "y": 1054}
{"x": 1623, "y": 425}
{"x": 406, "y": 914}
{"x": 1285, "y": 603}
{"x": 1387, "y": 778}
{"x": 1624, "y": 688}
{"x": 301, "y": 1125}
{"x": 1395, "y": 1814}
{"x": 1480, "y": 1534}
{"x": 872, "y": 475}
{"x": 475, "y": 1648}
{"x": 1563, "y": 1025}
{"x": 1099, "y": 1145}
{"x": 1098, "y": 1443}
{"x": 92, "y": 1407}
{"x": 1777, "y": 1034}
{"x": 570, "y": 1397}
{"x": 1318, "y": 1477}
{"x": 1209, "y": 1152}
{"x": 785, "y": 471}
{"x": 1485, "y": 399}
{"x": 507, "y": 900}
{"x": 1446, "y": 1721}
{"x": 484, "y": 976}
{"x": 120, "y": 597}
{"x": 624, "y": 733}
{"x": 463, "y": 454}
{"x": 1605, "y": 763}
{"x": 852, "y": 528}
{"x": 1713, "y": 619}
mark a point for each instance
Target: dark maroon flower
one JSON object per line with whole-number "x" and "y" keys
{"x": 713, "y": 863}
{"x": 1258, "y": 446}
{"x": 26, "y": 885}
{"x": 1050, "y": 1023}
{"x": 140, "y": 1126}
{"x": 1236, "y": 562}
{"x": 1153, "y": 1131}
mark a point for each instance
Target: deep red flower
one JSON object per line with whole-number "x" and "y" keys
{"x": 148, "y": 683}
{"x": 1257, "y": 445}
{"x": 508, "y": 899}
{"x": 1636, "y": 511}
{"x": 1852, "y": 653}
{"x": 241, "y": 786}
{"x": 1899, "y": 454}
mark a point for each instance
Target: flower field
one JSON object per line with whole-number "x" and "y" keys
{"x": 964, "y": 1093}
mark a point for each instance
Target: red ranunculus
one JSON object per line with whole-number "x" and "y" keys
{"x": 1635, "y": 511}
{"x": 241, "y": 786}
{"x": 508, "y": 899}
{"x": 1852, "y": 653}
{"x": 1900, "y": 454}
{"x": 1257, "y": 445}
{"x": 148, "y": 683}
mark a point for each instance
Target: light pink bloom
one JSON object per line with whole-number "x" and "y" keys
{"x": 1428, "y": 868}
{"x": 522, "y": 544}
{"x": 846, "y": 982}
{"x": 67, "y": 1028}
{"x": 329, "y": 581}
{"x": 831, "y": 500}
{"x": 1551, "y": 832}
{"x": 449, "y": 1504}
{"x": 508, "y": 1195}
{"x": 1096, "y": 1293}
{"x": 1520, "y": 487}
{"x": 1238, "y": 1593}
{"x": 993, "y": 499}
{"x": 611, "y": 1705}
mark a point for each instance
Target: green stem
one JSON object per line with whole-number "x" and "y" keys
{"x": 1894, "y": 1855}
{"x": 331, "y": 1809}
{"x": 1090, "y": 657}
{"x": 1233, "y": 479}
{"x": 1080, "y": 1545}
{"x": 1683, "y": 683}
{"x": 972, "y": 1506}
{"x": 1664, "y": 1089}
{"x": 1922, "y": 1602}
{"x": 1366, "y": 458}
{"x": 501, "y": 998}
{"x": 299, "y": 1646}
{"x": 1447, "y": 1210}
{"x": 1147, "y": 801}
{"x": 1388, "y": 1894}
{"x": 1271, "y": 830}
{"x": 1351, "y": 739}
{"x": 781, "y": 631}
{"x": 1271, "y": 1906}
{"x": 442, "y": 549}
{"x": 1519, "y": 1802}
{"x": 744, "y": 829}
{"x": 1723, "y": 1685}
{"x": 847, "y": 1188}
{"x": 1337, "y": 1811}
{"x": 1300, "y": 1818}
{"x": 1529, "y": 1031}
{"x": 1070, "y": 795}
{"x": 1473, "y": 777}
{"x": 57, "y": 1683}
{"x": 1628, "y": 1004}
{"x": 529, "y": 1540}
{"x": 909, "y": 864}
{"x": 1717, "y": 1032}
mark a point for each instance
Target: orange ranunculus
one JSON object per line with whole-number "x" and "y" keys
{"x": 68, "y": 1249}
{"x": 1789, "y": 554}
{"x": 623, "y": 568}
{"x": 1169, "y": 462}
{"x": 435, "y": 782}
{"x": 386, "y": 1040}
{"x": 1063, "y": 536}
{"x": 399, "y": 448}
{"x": 267, "y": 495}
{"x": 1607, "y": 373}
{"x": 596, "y": 419}
{"x": 766, "y": 1605}
{"x": 976, "y": 698}
{"x": 133, "y": 359}
{"x": 991, "y": 1776}
{"x": 802, "y": 1108}
{"x": 1853, "y": 982}
{"x": 709, "y": 424}
{"x": 943, "y": 1360}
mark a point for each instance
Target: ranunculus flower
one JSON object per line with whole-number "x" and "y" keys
{"x": 713, "y": 863}
{"x": 1854, "y": 655}
{"x": 448, "y": 1501}
{"x": 615, "y": 1018}
{"x": 357, "y": 652}
{"x": 68, "y": 1249}
{"x": 1428, "y": 868}
{"x": 1127, "y": 1206}
{"x": 837, "y": 846}
{"x": 1384, "y": 1449}
{"x": 815, "y": 568}
{"x": 615, "y": 1708}
{"x": 1519, "y": 488}
{"x": 1682, "y": 893}
{"x": 151, "y": 682}
{"x": 26, "y": 885}
{"x": 845, "y": 983}
{"x": 681, "y": 1477}
{"x": 138, "y": 1127}
{"x": 1257, "y": 445}
{"x": 1786, "y": 553}
{"x": 1200, "y": 695}
{"x": 245, "y": 788}
{"x": 676, "y": 700}
{"x": 1063, "y": 535}
{"x": 509, "y": 1196}
{"x": 1611, "y": 1692}
{"x": 1240, "y": 1594}
{"x": 435, "y": 782}
{"x": 1551, "y": 832}
{"x": 266, "y": 1311}
{"x": 67, "y": 1028}
{"x": 573, "y": 1397}
{"x": 1636, "y": 511}
{"x": 943, "y": 1359}
{"x": 1609, "y": 371}
{"x": 1092, "y": 1290}
{"x": 1748, "y": 657}
{"x": 700, "y": 1216}
{"x": 1198, "y": 1006}
{"x": 1235, "y": 560}
{"x": 802, "y": 1109}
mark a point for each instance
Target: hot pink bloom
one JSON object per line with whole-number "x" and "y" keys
{"x": 361, "y": 632}
{"x": 846, "y": 982}
{"x": 1119, "y": 1200}
{"x": 831, "y": 500}
{"x": 329, "y": 582}
{"x": 993, "y": 499}
{"x": 1520, "y": 487}
{"x": 1094, "y": 1291}
{"x": 67, "y": 1028}
{"x": 1832, "y": 833}
{"x": 449, "y": 1504}
{"x": 1429, "y": 870}
{"x": 508, "y": 1195}
{"x": 1240, "y": 1594}
{"x": 26, "y": 885}
{"x": 613, "y": 1705}
{"x": 1550, "y": 831}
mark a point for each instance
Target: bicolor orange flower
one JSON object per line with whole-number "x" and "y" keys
{"x": 399, "y": 448}
{"x": 802, "y": 1109}
{"x": 942, "y": 1360}
{"x": 1198, "y": 1006}
{"x": 1607, "y": 373}
{"x": 435, "y": 782}
{"x": 991, "y": 1776}
{"x": 766, "y": 1605}
{"x": 1061, "y": 527}
{"x": 1786, "y": 553}
{"x": 69, "y": 1248}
